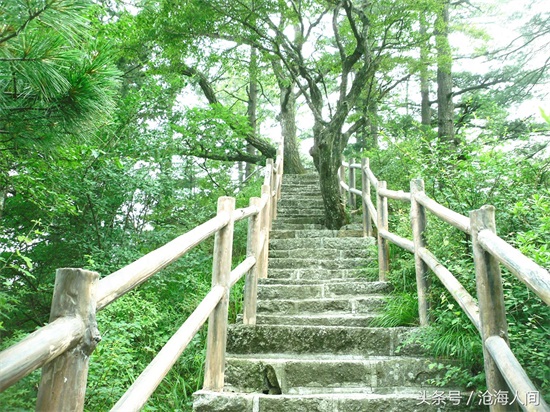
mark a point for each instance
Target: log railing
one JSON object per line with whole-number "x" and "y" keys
{"x": 503, "y": 371}
{"x": 62, "y": 348}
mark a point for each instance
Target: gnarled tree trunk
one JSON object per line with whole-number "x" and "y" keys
{"x": 327, "y": 157}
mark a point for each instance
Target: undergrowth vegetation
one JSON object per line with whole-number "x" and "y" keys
{"x": 136, "y": 326}
{"x": 480, "y": 171}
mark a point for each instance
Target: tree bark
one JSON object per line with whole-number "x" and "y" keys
{"x": 367, "y": 137}
{"x": 252, "y": 104}
{"x": 327, "y": 157}
{"x": 372, "y": 124}
{"x": 287, "y": 118}
{"x": 425, "y": 111}
{"x": 293, "y": 163}
{"x": 445, "y": 107}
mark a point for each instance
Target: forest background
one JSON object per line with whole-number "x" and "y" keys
{"x": 121, "y": 122}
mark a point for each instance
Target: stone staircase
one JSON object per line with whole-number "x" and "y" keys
{"x": 313, "y": 348}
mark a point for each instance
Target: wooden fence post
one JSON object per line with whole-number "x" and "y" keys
{"x": 268, "y": 180}
{"x": 269, "y": 171}
{"x": 63, "y": 382}
{"x": 342, "y": 178}
{"x": 351, "y": 176}
{"x": 365, "y": 189}
{"x": 265, "y": 226}
{"x": 217, "y": 322}
{"x": 280, "y": 155}
{"x": 492, "y": 312}
{"x": 252, "y": 249}
{"x": 273, "y": 198}
{"x": 418, "y": 222}
{"x": 383, "y": 247}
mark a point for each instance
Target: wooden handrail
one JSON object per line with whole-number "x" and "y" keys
{"x": 241, "y": 270}
{"x": 447, "y": 215}
{"x": 146, "y": 383}
{"x": 535, "y": 277}
{"x": 397, "y": 240}
{"x": 122, "y": 281}
{"x": 48, "y": 343}
{"x": 396, "y": 195}
{"x": 371, "y": 177}
{"x": 39, "y": 348}
{"x": 459, "y": 292}
{"x": 489, "y": 250}
{"x": 244, "y": 213}
{"x": 514, "y": 374}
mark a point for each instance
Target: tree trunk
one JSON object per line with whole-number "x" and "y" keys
{"x": 292, "y": 163}
{"x": 327, "y": 153}
{"x": 3, "y": 194}
{"x": 425, "y": 111}
{"x": 287, "y": 118}
{"x": 445, "y": 107}
{"x": 367, "y": 137}
{"x": 372, "y": 124}
{"x": 252, "y": 104}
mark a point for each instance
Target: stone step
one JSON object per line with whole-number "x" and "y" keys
{"x": 339, "y": 243}
{"x": 306, "y": 375}
{"x": 321, "y": 290}
{"x": 298, "y": 211}
{"x": 303, "y": 219}
{"x": 290, "y": 233}
{"x": 313, "y": 347}
{"x": 321, "y": 253}
{"x": 317, "y": 319}
{"x": 315, "y": 274}
{"x": 358, "y": 276}
{"x": 336, "y": 340}
{"x": 293, "y": 227}
{"x": 412, "y": 400}
{"x": 299, "y": 203}
{"x": 304, "y": 202}
{"x": 308, "y": 177}
{"x": 293, "y": 188}
{"x": 304, "y": 195}
{"x": 343, "y": 304}
{"x": 301, "y": 179}
{"x": 288, "y": 186}
{"x": 297, "y": 263}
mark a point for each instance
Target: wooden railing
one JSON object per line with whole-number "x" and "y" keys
{"x": 62, "y": 348}
{"x": 503, "y": 371}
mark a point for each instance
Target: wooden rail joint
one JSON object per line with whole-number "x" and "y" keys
{"x": 63, "y": 382}
{"x": 490, "y": 294}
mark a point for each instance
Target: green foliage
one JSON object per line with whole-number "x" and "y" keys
{"x": 401, "y": 310}
{"x": 481, "y": 170}
{"x": 534, "y": 239}
{"x": 95, "y": 175}
{"x": 527, "y": 314}
{"x": 53, "y": 77}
